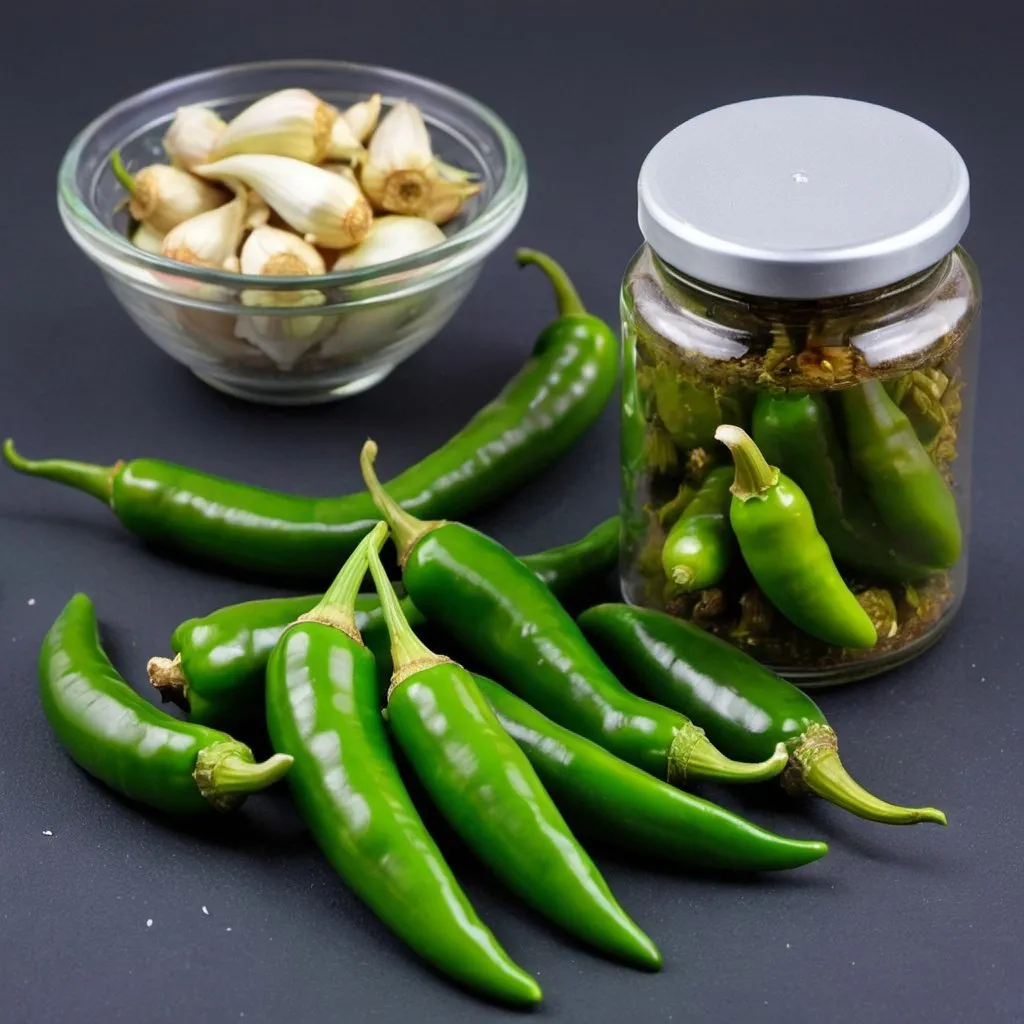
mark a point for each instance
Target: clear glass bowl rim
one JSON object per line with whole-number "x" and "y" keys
{"x": 504, "y": 205}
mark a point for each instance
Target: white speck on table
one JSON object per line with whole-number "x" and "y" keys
{"x": 31, "y": 600}
{"x": 205, "y": 911}
{"x": 47, "y": 832}
{"x": 149, "y": 922}
{"x": 228, "y": 928}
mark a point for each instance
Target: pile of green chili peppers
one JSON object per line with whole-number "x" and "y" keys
{"x": 556, "y": 728}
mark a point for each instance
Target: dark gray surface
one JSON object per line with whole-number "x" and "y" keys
{"x": 919, "y": 924}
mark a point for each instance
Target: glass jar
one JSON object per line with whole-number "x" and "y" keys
{"x": 802, "y": 280}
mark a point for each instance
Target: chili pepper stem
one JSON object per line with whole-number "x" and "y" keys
{"x": 406, "y": 529}
{"x": 408, "y": 653}
{"x": 815, "y": 766}
{"x": 121, "y": 172}
{"x": 95, "y": 480}
{"x": 225, "y": 773}
{"x": 754, "y": 477}
{"x": 693, "y": 756}
{"x": 169, "y": 678}
{"x": 337, "y": 608}
{"x": 568, "y": 299}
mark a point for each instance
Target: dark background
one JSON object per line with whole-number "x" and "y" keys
{"x": 918, "y": 924}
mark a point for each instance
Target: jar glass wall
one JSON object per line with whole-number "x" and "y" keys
{"x": 865, "y": 401}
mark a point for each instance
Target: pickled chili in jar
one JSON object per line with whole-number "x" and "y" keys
{"x": 802, "y": 280}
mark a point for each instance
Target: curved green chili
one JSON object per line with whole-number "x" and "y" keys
{"x": 484, "y": 786}
{"x": 620, "y": 804}
{"x": 537, "y": 417}
{"x": 323, "y": 710}
{"x": 220, "y": 659}
{"x": 745, "y": 709}
{"x": 774, "y": 525}
{"x": 122, "y": 740}
{"x": 696, "y": 551}
{"x": 905, "y": 485}
{"x": 485, "y": 598}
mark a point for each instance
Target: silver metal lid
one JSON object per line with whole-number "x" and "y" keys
{"x": 803, "y": 197}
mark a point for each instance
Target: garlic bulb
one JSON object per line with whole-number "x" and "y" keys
{"x": 326, "y": 209}
{"x": 212, "y": 238}
{"x": 362, "y": 117}
{"x": 164, "y": 197}
{"x": 193, "y": 136}
{"x": 400, "y": 174}
{"x": 391, "y": 238}
{"x": 292, "y": 122}
{"x": 343, "y": 144}
{"x": 148, "y": 240}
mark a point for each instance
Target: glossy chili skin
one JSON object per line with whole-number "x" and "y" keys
{"x": 787, "y": 556}
{"x": 323, "y": 708}
{"x": 484, "y": 786}
{"x": 559, "y": 392}
{"x": 222, "y": 656}
{"x": 696, "y": 551}
{"x": 797, "y": 433}
{"x": 117, "y": 736}
{"x": 906, "y": 487}
{"x": 619, "y": 804}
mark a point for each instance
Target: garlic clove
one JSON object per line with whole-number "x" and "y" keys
{"x": 210, "y": 239}
{"x": 257, "y": 213}
{"x": 362, "y": 117}
{"x": 343, "y": 144}
{"x": 293, "y": 123}
{"x": 446, "y": 199}
{"x": 193, "y": 136}
{"x": 284, "y": 339}
{"x": 148, "y": 240}
{"x": 273, "y": 251}
{"x": 164, "y": 196}
{"x": 391, "y": 238}
{"x": 345, "y": 170}
{"x": 326, "y": 209}
{"x": 449, "y": 172}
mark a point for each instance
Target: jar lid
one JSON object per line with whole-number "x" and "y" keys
{"x": 803, "y": 197}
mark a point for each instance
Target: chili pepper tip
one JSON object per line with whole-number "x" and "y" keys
{"x": 568, "y": 299}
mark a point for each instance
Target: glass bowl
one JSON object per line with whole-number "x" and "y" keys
{"x": 371, "y": 318}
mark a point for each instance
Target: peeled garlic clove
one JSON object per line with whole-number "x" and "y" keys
{"x": 391, "y": 238}
{"x": 345, "y": 170}
{"x": 292, "y": 122}
{"x": 148, "y": 240}
{"x": 165, "y": 196}
{"x": 343, "y": 144}
{"x": 399, "y": 162}
{"x": 326, "y": 209}
{"x": 211, "y": 239}
{"x": 273, "y": 251}
{"x": 362, "y": 117}
{"x": 193, "y": 136}
{"x": 257, "y": 213}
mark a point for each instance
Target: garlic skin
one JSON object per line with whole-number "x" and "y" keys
{"x": 362, "y": 117}
{"x": 165, "y": 197}
{"x": 293, "y": 123}
{"x": 326, "y": 209}
{"x": 343, "y": 144}
{"x": 212, "y": 238}
{"x": 193, "y": 136}
{"x": 148, "y": 240}
{"x": 401, "y": 175}
{"x": 391, "y": 238}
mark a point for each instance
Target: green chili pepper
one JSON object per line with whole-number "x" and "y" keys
{"x": 622, "y": 805}
{"x": 906, "y": 487}
{"x": 220, "y": 659}
{"x": 135, "y": 748}
{"x": 559, "y": 392}
{"x": 774, "y": 524}
{"x": 696, "y": 551}
{"x": 796, "y": 433}
{"x": 485, "y": 598}
{"x": 745, "y": 708}
{"x": 484, "y": 786}
{"x": 323, "y": 709}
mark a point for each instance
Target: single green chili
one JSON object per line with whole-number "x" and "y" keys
{"x": 220, "y": 659}
{"x": 796, "y": 433}
{"x": 774, "y": 524}
{"x": 537, "y": 417}
{"x": 122, "y": 740}
{"x": 745, "y": 709}
{"x": 485, "y": 598}
{"x": 484, "y": 786}
{"x": 323, "y": 710}
{"x": 696, "y": 551}
{"x": 905, "y": 485}
{"x": 622, "y": 805}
